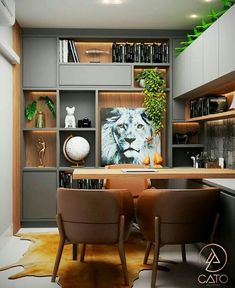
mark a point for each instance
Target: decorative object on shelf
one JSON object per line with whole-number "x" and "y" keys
{"x": 157, "y": 160}
{"x": 76, "y": 149}
{"x": 183, "y": 138}
{"x": 41, "y": 146}
{"x": 84, "y": 123}
{"x": 95, "y": 54}
{"x": 32, "y": 109}
{"x": 70, "y": 118}
{"x": 199, "y": 29}
{"x": 124, "y": 136}
{"x": 147, "y": 161}
{"x": 232, "y": 105}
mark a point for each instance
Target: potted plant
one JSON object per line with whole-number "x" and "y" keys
{"x": 154, "y": 87}
{"x": 37, "y": 109}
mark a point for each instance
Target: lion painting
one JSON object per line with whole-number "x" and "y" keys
{"x": 124, "y": 136}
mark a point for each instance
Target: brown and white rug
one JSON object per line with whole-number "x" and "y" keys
{"x": 101, "y": 269}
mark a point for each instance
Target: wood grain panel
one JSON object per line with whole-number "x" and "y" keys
{"x": 31, "y": 150}
{"x": 35, "y": 95}
{"x": 84, "y": 57}
{"x": 16, "y": 131}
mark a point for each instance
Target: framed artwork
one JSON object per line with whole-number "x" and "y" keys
{"x": 127, "y": 136}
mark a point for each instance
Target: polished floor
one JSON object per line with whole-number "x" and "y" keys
{"x": 181, "y": 275}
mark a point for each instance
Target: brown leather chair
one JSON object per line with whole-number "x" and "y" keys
{"x": 177, "y": 216}
{"x": 93, "y": 217}
{"x": 134, "y": 185}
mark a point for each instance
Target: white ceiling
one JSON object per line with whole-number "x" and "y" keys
{"x": 132, "y": 14}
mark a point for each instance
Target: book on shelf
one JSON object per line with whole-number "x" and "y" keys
{"x": 68, "y": 51}
{"x": 140, "y": 52}
{"x": 66, "y": 181}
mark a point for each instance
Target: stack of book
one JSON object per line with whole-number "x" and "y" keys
{"x": 140, "y": 52}
{"x": 66, "y": 181}
{"x": 68, "y": 51}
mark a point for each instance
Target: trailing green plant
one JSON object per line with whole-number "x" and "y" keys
{"x": 199, "y": 29}
{"x": 154, "y": 96}
{"x": 34, "y": 107}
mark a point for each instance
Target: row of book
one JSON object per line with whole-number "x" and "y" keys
{"x": 121, "y": 52}
{"x": 140, "y": 52}
{"x": 66, "y": 181}
{"x": 206, "y": 105}
{"x": 68, "y": 51}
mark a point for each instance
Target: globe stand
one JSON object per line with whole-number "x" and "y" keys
{"x": 78, "y": 160}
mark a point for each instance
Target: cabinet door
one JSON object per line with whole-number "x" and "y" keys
{"x": 95, "y": 75}
{"x": 211, "y": 53}
{"x": 226, "y": 231}
{"x": 39, "y": 62}
{"x": 196, "y": 63}
{"x": 181, "y": 75}
{"x": 227, "y": 42}
{"x": 39, "y": 195}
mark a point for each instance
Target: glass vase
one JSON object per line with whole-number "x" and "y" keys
{"x": 40, "y": 120}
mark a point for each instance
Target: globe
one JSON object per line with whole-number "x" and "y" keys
{"x": 76, "y": 149}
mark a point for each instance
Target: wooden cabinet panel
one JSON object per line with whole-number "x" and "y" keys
{"x": 39, "y": 195}
{"x": 39, "y": 62}
{"x": 227, "y": 42}
{"x": 95, "y": 75}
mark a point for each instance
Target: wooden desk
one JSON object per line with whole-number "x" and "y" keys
{"x": 164, "y": 173}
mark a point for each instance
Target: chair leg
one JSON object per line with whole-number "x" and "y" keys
{"x": 75, "y": 251}
{"x": 183, "y": 253}
{"x": 122, "y": 250}
{"x": 147, "y": 251}
{"x": 83, "y": 252}
{"x": 156, "y": 252}
{"x": 58, "y": 258}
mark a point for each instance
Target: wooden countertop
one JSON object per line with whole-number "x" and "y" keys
{"x": 163, "y": 173}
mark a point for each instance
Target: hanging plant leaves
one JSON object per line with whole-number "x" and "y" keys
{"x": 30, "y": 110}
{"x": 51, "y": 106}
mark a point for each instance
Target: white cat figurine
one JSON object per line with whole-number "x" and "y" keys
{"x": 70, "y": 119}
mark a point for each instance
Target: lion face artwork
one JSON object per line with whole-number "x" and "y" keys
{"x": 124, "y": 135}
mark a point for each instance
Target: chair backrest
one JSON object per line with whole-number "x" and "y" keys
{"x": 93, "y": 216}
{"x": 186, "y": 215}
{"x": 134, "y": 185}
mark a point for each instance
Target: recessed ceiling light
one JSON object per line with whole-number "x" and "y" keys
{"x": 114, "y": 2}
{"x": 193, "y": 16}
{"x": 208, "y": 0}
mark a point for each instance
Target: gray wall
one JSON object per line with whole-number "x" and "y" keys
{"x": 6, "y": 92}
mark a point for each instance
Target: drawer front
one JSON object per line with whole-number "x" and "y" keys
{"x": 95, "y": 75}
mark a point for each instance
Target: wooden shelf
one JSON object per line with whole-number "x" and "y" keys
{"x": 188, "y": 146}
{"x": 77, "y": 129}
{"x": 211, "y": 117}
{"x": 46, "y": 129}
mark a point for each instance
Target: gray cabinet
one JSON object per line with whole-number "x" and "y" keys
{"x": 39, "y": 62}
{"x": 39, "y": 195}
{"x": 195, "y": 59}
{"x": 227, "y": 42}
{"x": 95, "y": 75}
{"x": 181, "y": 73}
{"x": 211, "y": 53}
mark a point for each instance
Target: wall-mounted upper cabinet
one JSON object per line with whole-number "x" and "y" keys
{"x": 227, "y": 42}
{"x": 39, "y": 62}
{"x": 210, "y": 57}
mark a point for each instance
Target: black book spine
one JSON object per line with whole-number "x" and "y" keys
{"x": 114, "y": 55}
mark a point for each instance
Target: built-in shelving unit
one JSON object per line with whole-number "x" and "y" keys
{"x": 211, "y": 117}
{"x": 96, "y": 79}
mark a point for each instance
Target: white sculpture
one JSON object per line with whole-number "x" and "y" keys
{"x": 70, "y": 118}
